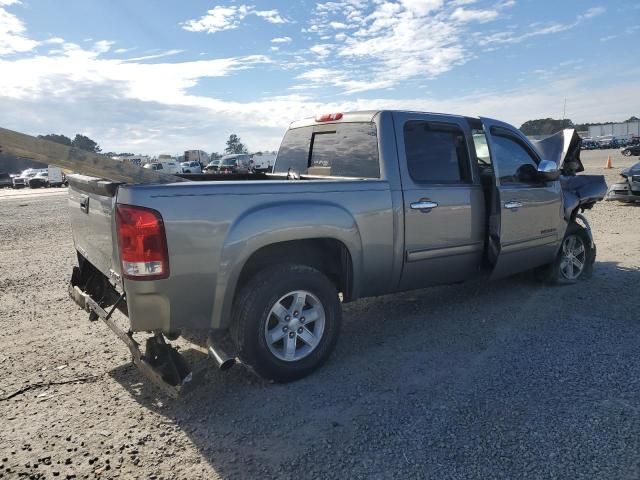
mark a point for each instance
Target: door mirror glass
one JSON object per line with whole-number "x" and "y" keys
{"x": 548, "y": 170}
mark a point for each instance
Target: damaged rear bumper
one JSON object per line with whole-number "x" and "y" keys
{"x": 167, "y": 369}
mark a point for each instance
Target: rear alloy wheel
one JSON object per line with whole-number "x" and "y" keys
{"x": 287, "y": 320}
{"x": 294, "y": 326}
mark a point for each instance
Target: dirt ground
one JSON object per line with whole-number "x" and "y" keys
{"x": 503, "y": 380}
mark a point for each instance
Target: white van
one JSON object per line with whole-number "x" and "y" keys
{"x": 263, "y": 162}
{"x": 165, "y": 164}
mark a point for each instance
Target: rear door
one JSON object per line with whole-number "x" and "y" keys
{"x": 527, "y": 211}
{"x": 443, "y": 200}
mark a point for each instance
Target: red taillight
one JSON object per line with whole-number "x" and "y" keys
{"x": 142, "y": 243}
{"x": 328, "y": 117}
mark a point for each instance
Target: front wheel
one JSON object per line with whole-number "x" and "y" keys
{"x": 288, "y": 319}
{"x": 575, "y": 259}
{"x": 626, "y": 153}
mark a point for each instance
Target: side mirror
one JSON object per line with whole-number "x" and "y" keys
{"x": 548, "y": 170}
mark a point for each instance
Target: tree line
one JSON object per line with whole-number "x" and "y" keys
{"x": 10, "y": 163}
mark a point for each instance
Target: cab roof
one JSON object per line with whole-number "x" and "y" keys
{"x": 361, "y": 116}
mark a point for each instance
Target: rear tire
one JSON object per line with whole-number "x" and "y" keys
{"x": 287, "y": 319}
{"x": 574, "y": 261}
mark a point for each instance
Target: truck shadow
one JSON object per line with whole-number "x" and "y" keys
{"x": 404, "y": 362}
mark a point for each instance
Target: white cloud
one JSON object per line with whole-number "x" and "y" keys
{"x": 167, "y": 53}
{"x": 217, "y": 19}
{"x": 227, "y": 18}
{"x": 165, "y": 82}
{"x": 13, "y": 37}
{"x": 281, "y": 40}
{"x": 322, "y": 49}
{"x": 535, "y": 30}
{"x": 421, "y": 7}
{"x": 389, "y": 41}
{"x": 271, "y": 16}
{"x": 469, "y": 15}
{"x": 593, "y": 12}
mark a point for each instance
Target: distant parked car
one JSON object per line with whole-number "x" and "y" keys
{"x": 5, "y": 180}
{"x": 212, "y": 166}
{"x": 630, "y": 150}
{"x": 164, "y": 167}
{"x": 39, "y": 180}
{"x": 22, "y": 179}
{"x": 628, "y": 189}
{"x": 191, "y": 167}
{"x": 236, "y": 163}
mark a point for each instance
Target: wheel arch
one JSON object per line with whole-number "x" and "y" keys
{"x": 321, "y": 235}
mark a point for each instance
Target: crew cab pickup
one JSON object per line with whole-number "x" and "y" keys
{"x": 359, "y": 204}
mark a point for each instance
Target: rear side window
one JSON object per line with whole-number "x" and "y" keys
{"x": 347, "y": 150}
{"x": 436, "y": 153}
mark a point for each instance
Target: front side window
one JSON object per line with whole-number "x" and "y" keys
{"x": 435, "y": 153}
{"x": 347, "y": 150}
{"x": 515, "y": 164}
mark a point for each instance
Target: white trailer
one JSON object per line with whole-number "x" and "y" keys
{"x": 55, "y": 176}
{"x": 196, "y": 156}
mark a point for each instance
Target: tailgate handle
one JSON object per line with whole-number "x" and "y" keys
{"x": 84, "y": 204}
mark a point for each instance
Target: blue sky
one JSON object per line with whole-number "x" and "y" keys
{"x": 156, "y": 77}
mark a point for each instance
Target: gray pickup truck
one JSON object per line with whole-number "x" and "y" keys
{"x": 359, "y": 204}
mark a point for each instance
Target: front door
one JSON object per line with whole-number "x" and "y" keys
{"x": 528, "y": 227}
{"x": 443, "y": 201}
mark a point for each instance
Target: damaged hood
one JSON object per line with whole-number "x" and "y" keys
{"x": 563, "y": 148}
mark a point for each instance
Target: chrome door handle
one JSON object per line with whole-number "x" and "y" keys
{"x": 423, "y": 205}
{"x": 512, "y": 205}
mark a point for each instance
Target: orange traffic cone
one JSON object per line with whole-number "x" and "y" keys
{"x": 609, "y": 164}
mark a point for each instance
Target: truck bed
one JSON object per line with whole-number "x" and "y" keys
{"x": 211, "y": 227}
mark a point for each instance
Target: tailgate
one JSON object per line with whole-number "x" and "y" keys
{"x": 91, "y": 205}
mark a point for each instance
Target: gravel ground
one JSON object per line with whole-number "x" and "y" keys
{"x": 501, "y": 380}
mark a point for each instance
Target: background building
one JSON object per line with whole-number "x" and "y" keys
{"x": 621, "y": 131}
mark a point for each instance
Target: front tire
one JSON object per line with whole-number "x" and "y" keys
{"x": 626, "y": 153}
{"x": 288, "y": 319}
{"x": 574, "y": 261}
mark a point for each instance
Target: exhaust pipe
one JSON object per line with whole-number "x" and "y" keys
{"x": 224, "y": 361}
